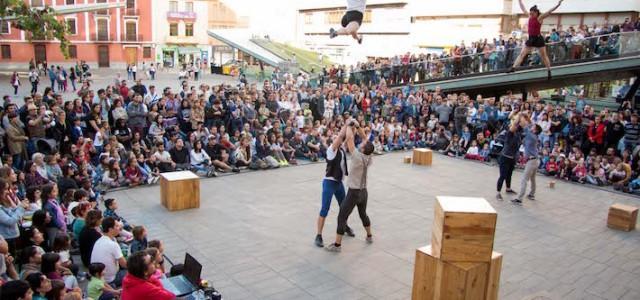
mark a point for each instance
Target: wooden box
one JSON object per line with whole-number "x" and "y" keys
{"x": 180, "y": 190}
{"x": 463, "y": 229}
{"x": 622, "y": 217}
{"x": 436, "y": 279}
{"x": 407, "y": 159}
{"x": 422, "y": 157}
{"x": 493, "y": 279}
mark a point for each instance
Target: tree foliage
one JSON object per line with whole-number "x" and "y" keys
{"x": 42, "y": 23}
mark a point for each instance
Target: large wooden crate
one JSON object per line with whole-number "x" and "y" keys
{"x": 422, "y": 157}
{"x": 463, "y": 229}
{"x": 437, "y": 279}
{"x": 622, "y": 217}
{"x": 180, "y": 190}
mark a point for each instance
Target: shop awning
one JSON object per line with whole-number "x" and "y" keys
{"x": 189, "y": 50}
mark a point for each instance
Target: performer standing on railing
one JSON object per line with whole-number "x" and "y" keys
{"x": 352, "y": 20}
{"x": 536, "y": 40}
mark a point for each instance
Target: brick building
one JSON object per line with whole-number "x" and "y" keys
{"x": 107, "y": 38}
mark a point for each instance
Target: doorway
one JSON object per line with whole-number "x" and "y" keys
{"x": 131, "y": 55}
{"x": 103, "y": 56}
{"x": 40, "y": 53}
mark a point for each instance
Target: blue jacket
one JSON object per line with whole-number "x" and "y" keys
{"x": 9, "y": 219}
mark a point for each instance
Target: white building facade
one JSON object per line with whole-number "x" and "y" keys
{"x": 385, "y": 30}
{"x": 396, "y": 27}
{"x": 180, "y": 32}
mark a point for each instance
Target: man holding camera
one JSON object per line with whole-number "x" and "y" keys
{"x": 357, "y": 182}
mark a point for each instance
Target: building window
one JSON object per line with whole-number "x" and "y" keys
{"x": 103, "y": 30}
{"x": 146, "y": 52}
{"x": 173, "y": 6}
{"x": 131, "y": 30}
{"x": 71, "y": 25}
{"x": 131, "y": 4}
{"x": 173, "y": 29}
{"x": 333, "y": 17}
{"x": 70, "y": 2}
{"x": 188, "y": 6}
{"x": 308, "y": 18}
{"x": 188, "y": 30}
{"x": 104, "y": 11}
{"x": 6, "y": 52}
{"x": 73, "y": 51}
{"x": 367, "y": 16}
{"x": 36, "y": 3}
{"x": 4, "y": 27}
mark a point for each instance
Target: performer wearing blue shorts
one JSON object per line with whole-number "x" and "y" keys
{"x": 332, "y": 182}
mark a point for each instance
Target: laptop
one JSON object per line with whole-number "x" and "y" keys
{"x": 186, "y": 283}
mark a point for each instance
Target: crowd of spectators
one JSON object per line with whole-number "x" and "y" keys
{"x": 486, "y": 55}
{"x": 60, "y": 158}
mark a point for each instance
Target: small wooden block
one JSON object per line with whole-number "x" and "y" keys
{"x": 493, "y": 280}
{"x": 463, "y": 229}
{"x": 407, "y": 159}
{"x": 179, "y": 190}
{"x": 422, "y": 156}
{"x": 622, "y": 217}
{"x": 424, "y": 274}
{"x": 436, "y": 279}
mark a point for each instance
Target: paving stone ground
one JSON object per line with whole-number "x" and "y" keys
{"x": 254, "y": 234}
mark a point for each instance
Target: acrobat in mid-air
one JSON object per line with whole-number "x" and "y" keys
{"x": 352, "y": 20}
{"x": 536, "y": 40}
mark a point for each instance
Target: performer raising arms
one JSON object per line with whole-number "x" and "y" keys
{"x": 332, "y": 183}
{"x": 536, "y": 40}
{"x": 352, "y": 20}
{"x": 357, "y": 182}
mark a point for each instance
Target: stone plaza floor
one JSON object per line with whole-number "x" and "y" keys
{"x": 254, "y": 234}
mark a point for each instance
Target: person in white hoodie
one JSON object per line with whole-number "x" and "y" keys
{"x": 200, "y": 160}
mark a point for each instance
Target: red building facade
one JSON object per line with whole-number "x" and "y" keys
{"x": 110, "y": 38}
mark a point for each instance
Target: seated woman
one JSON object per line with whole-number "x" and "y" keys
{"x": 200, "y": 160}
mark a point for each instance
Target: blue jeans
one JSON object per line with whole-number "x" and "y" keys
{"x": 329, "y": 189}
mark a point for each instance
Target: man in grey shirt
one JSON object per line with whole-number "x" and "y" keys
{"x": 357, "y": 182}
{"x": 530, "y": 142}
{"x": 444, "y": 112}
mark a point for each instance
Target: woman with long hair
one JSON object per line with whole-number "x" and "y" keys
{"x": 536, "y": 40}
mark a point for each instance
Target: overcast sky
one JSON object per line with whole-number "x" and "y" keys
{"x": 274, "y": 17}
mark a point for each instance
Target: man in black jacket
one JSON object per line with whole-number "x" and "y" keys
{"x": 180, "y": 155}
{"x": 140, "y": 88}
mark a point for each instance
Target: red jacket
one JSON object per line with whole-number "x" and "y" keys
{"x": 134, "y": 288}
{"x": 596, "y": 135}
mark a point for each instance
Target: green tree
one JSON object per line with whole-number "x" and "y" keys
{"x": 42, "y": 23}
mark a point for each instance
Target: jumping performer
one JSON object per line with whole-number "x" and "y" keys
{"x": 352, "y": 20}
{"x": 536, "y": 40}
{"x": 357, "y": 182}
{"x": 332, "y": 183}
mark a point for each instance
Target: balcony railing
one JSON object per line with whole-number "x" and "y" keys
{"x": 102, "y": 12}
{"x": 102, "y": 37}
{"x": 131, "y": 11}
{"x": 437, "y": 68}
{"x": 132, "y": 37}
{"x": 182, "y": 15}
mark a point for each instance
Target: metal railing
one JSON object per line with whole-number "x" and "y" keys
{"x": 566, "y": 51}
{"x": 131, "y": 37}
{"x": 131, "y": 11}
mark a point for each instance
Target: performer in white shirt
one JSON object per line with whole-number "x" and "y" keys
{"x": 352, "y": 20}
